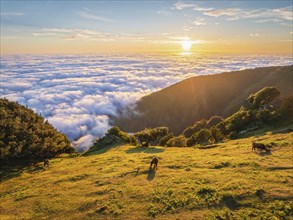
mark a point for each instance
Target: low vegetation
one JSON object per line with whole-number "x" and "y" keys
{"x": 113, "y": 137}
{"x": 227, "y": 181}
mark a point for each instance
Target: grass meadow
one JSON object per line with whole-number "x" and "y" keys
{"x": 223, "y": 181}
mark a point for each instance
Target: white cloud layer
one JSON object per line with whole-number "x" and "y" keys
{"x": 78, "y": 93}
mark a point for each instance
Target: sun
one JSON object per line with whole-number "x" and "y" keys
{"x": 186, "y": 45}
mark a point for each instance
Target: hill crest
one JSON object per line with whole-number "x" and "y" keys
{"x": 195, "y": 98}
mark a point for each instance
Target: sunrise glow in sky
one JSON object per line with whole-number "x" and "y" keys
{"x": 146, "y": 26}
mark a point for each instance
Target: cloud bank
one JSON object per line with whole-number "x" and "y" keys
{"x": 79, "y": 93}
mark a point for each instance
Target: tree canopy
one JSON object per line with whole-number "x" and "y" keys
{"x": 25, "y": 133}
{"x": 151, "y": 134}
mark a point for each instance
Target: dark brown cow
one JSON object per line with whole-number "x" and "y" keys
{"x": 154, "y": 161}
{"x": 46, "y": 163}
{"x": 259, "y": 146}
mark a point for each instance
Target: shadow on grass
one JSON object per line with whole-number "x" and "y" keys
{"x": 230, "y": 202}
{"x": 148, "y": 150}
{"x": 280, "y": 168}
{"x": 151, "y": 174}
{"x": 264, "y": 153}
{"x": 14, "y": 168}
{"x": 101, "y": 150}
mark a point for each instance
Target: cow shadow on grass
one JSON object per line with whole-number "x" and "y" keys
{"x": 264, "y": 154}
{"x": 151, "y": 174}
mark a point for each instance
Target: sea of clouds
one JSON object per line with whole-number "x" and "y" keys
{"x": 78, "y": 93}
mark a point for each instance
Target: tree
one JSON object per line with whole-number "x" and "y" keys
{"x": 25, "y": 133}
{"x": 148, "y": 135}
{"x": 179, "y": 141}
{"x": 188, "y": 132}
{"x": 114, "y": 131}
{"x": 216, "y": 134}
{"x": 214, "y": 120}
{"x": 286, "y": 109}
{"x": 163, "y": 141}
{"x": 203, "y": 136}
{"x": 263, "y": 96}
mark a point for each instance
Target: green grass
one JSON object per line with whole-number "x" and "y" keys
{"x": 227, "y": 181}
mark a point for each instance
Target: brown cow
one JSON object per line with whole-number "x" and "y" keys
{"x": 259, "y": 146}
{"x": 154, "y": 161}
{"x": 46, "y": 163}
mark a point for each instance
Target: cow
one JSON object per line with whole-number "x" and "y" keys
{"x": 46, "y": 163}
{"x": 154, "y": 162}
{"x": 259, "y": 146}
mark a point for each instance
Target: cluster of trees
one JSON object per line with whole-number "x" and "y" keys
{"x": 260, "y": 108}
{"x": 151, "y": 135}
{"x": 263, "y": 107}
{"x": 25, "y": 133}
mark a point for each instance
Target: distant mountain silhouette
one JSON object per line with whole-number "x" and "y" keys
{"x": 195, "y": 98}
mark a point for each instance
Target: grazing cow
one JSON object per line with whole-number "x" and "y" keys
{"x": 154, "y": 161}
{"x": 259, "y": 146}
{"x": 46, "y": 163}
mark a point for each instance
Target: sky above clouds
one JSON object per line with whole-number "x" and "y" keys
{"x": 145, "y": 26}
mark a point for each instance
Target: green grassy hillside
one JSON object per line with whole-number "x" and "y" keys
{"x": 226, "y": 180}
{"x": 193, "y": 99}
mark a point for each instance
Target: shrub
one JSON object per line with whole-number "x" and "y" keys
{"x": 265, "y": 96}
{"x": 114, "y": 131}
{"x": 163, "y": 141}
{"x": 214, "y": 120}
{"x": 262, "y": 97}
{"x": 202, "y": 136}
{"x": 191, "y": 141}
{"x": 148, "y": 134}
{"x": 114, "y": 136}
{"x": 264, "y": 115}
{"x": 179, "y": 141}
{"x": 188, "y": 132}
{"x": 286, "y": 109}
{"x": 216, "y": 134}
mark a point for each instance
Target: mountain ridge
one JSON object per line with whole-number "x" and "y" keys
{"x": 195, "y": 98}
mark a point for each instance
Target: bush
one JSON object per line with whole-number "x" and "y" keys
{"x": 239, "y": 121}
{"x": 114, "y": 136}
{"x": 214, "y": 120}
{"x": 286, "y": 109}
{"x": 203, "y": 136}
{"x": 188, "y": 132}
{"x": 114, "y": 131}
{"x": 191, "y": 141}
{"x": 216, "y": 134}
{"x": 148, "y": 135}
{"x": 163, "y": 141}
{"x": 266, "y": 116}
{"x": 262, "y": 97}
{"x": 179, "y": 141}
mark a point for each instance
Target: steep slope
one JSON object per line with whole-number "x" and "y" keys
{"x": 228, "y": 180}
{"x": 181, "y": 104}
